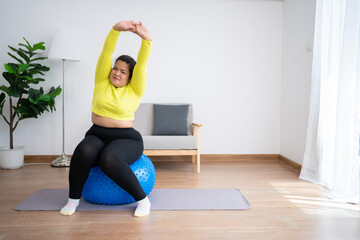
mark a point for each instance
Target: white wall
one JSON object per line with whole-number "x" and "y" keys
{"x": 224, "y": 56}
{"x": 299, "y": 22}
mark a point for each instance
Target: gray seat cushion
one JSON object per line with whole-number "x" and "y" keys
{"x": 170, "y": 142}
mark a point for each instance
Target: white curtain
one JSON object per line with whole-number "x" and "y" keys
{"x": 332, "y": 146}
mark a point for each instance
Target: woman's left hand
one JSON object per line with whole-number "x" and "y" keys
{"x": 142, "y": 31}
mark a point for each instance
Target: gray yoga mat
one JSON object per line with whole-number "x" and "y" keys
{"x": 161, "y": 199}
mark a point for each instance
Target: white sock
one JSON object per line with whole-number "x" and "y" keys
{"x": 70, "y": 207}
{"x": 143, "y": 208}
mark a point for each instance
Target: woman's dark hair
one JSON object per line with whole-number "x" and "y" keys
{"x": 129, "y": 60}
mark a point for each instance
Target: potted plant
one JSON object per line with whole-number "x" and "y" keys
{"x": 24, "y": 101}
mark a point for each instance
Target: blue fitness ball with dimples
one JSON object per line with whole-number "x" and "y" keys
{"x": 100, "y": 189}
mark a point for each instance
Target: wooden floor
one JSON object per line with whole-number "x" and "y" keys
{"x": 283, "y": 207}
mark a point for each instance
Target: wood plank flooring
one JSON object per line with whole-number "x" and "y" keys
{"x": 283, "y": 207}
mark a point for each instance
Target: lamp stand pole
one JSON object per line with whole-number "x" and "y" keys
{"x": 63, "y": 160}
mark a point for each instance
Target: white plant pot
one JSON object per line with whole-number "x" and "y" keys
{"x": 11, "y": 158}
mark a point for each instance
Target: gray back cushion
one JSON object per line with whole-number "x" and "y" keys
{"x": 144, "y": 118}
{"x": 170, "y": 119}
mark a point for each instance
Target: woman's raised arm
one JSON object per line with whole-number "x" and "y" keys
{"x": 138, "y": 81}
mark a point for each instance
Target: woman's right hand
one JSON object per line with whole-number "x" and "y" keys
{"x": 125, "y": 26}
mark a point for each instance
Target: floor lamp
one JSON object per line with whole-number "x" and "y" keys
{"x": 63, "y": 47}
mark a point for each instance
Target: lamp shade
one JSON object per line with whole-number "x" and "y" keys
{"x": 64, "y": 46}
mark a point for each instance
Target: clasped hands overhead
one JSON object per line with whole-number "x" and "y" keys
{"x": 135, "y": 27}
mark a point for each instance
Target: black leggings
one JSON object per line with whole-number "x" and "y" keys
{"x": 113, "y": 149}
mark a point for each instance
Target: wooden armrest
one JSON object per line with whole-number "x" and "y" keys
{"x": 197, "y": 124}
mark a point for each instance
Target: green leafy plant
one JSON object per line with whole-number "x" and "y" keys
{"x": 25, "y": 101}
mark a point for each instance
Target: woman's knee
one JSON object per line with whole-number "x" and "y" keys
{"x": 89, "y": 147}
{"x": 119, "y": 152}
{"x": 109, "y": 160}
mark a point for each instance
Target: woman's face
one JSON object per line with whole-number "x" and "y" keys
{"x": 119, "y": 75}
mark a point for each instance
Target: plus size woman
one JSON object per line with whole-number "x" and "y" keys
{"x": 112, "y": 143}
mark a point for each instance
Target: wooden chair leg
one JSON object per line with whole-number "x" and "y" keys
{"x": 198, "y": 149}
{"x": 198, "y": 161}
{"x": 193, "y": 158}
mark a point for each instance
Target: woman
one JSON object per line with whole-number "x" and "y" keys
{"x": 112, "y": 142}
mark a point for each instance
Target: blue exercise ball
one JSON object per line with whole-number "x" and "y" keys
{"x": 100, "y": 189}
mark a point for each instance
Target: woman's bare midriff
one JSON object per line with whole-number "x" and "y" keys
{"x": 111, "y": 123}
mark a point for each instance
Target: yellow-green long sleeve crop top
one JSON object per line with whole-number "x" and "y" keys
{"x": 110, "y": 101}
